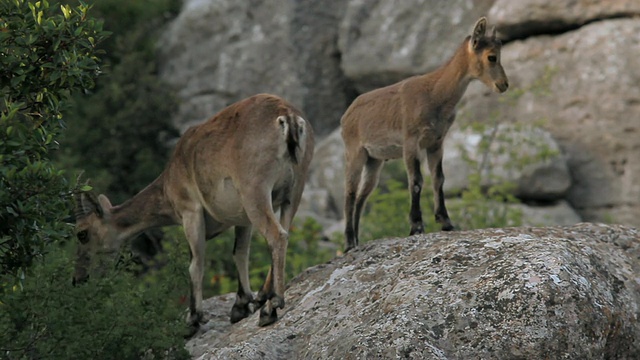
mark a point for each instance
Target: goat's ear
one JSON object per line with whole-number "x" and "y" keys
{"x": 479, "y": 29}
{"x": 105, "y": 204}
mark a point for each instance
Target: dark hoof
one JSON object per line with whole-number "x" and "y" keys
{"x": 351, "y": 243}
{"x": 416, "y": 230}
{"x": 239, "y": 312}
{"x": 268, "y": 314}
{"x": 447, "y": 227}
{"x": 193, "y": 322}
{"x": 267, "y": 317}
{"x": 260, "y": 299}
{"x": 192, "y": 330}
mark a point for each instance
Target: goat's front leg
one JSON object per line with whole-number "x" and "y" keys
{"x": 243, "y": 306}
{"x": 194, "y": 228}
{"x": 415, "y": 180}
{"x": 434, "y": 159}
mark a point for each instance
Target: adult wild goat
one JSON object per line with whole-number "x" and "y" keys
{"x": 236, "y": 169}
{"x": 407, "y": 118}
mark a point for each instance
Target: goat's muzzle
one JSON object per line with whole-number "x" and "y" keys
{"x": 502, "y": 86}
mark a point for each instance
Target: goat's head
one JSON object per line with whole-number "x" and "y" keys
{"x": 484, "y": 55}
{"x": 97, "y": 236}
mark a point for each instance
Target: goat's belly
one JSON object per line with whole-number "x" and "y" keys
{"x": 225, "y": 205}
{"x": 384, "y": 152}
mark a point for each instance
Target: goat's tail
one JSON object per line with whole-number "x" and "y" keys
{"x": 295, "y": 133}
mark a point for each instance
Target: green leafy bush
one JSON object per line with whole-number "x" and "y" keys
{"x": 47, "y": 52}
{"x": 113, "y": 317}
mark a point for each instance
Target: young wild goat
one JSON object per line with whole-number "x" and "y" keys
{"x": 236, "y": 169}
{"x": 404, "y": 119}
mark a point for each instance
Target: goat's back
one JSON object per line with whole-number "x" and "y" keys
{"x": 244, "y": 145}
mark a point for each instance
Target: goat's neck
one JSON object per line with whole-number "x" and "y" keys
{"x": 450, "y": 81}
{"x": 147, "y": 209}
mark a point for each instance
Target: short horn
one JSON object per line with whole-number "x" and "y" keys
{"x": 83, "y": 204}
{"x": 493, "y": 33}
{"x": 86, "y": 203}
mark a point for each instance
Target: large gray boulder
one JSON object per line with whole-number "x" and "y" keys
{"x": 516, "y": 293}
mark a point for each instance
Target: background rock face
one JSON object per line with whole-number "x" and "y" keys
{"x": 218, "y": 52}
{"x": 573, "y": 67}
{"x": 591, "y": 104}
{"x": 518, "y": 19}
{"x": 517, "y": 293}
{"x": 386, "y": 41}
{"x": 546, "y": 178}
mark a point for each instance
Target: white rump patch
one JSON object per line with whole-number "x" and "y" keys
{"x": 302, "y": 132}
{"x": 284, "y": 124}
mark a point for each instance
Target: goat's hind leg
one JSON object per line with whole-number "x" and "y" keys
{"x": 434, "y": 159}
{"x": 261, "y": 215}
{"x": 370, "y": 177}
{"x": 273, "y": 301}
{"x": 244, "y": 305}
{"x": 194, "y": 228}
{"x": 354, "y": 165}
{"x": 414, "y": 176}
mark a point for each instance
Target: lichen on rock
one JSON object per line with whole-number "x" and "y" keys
{"x": 517, "y": 293}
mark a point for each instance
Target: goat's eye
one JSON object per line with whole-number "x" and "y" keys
{"x": 83, "y": 236}
{"x": 492, "y": 58}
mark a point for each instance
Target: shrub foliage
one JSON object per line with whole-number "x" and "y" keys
{"x": 48, "y": 52}
{"x": 114, "y": 317}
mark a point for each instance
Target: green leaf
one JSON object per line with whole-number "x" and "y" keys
{"x": 66, "y": 11}
{"x": 17, "y": 80}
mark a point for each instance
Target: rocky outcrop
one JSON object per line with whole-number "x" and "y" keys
{"x": 517, "y": 293}
{"x": 572, "y": 67}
